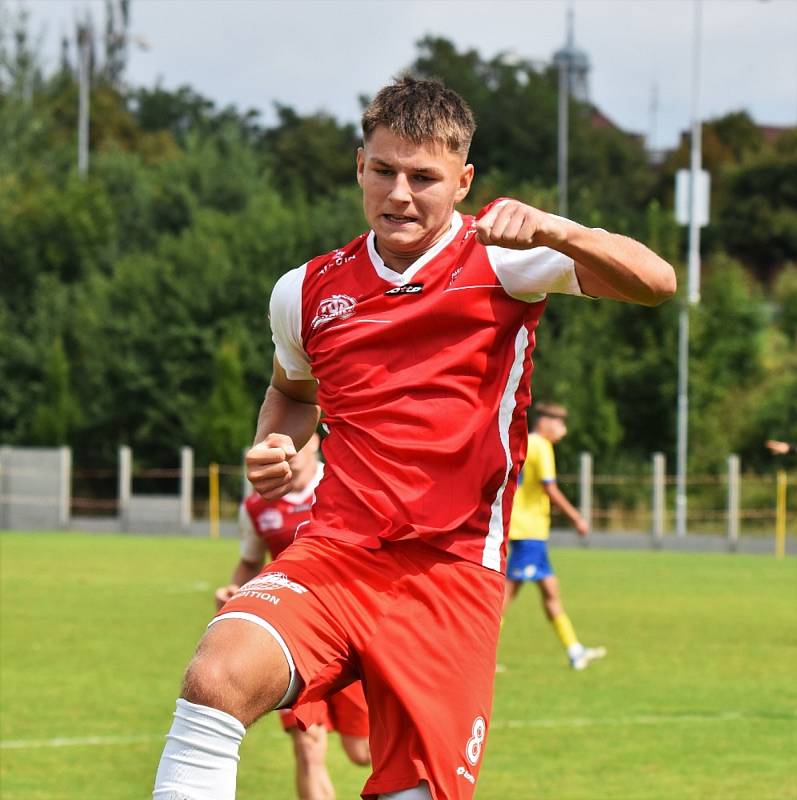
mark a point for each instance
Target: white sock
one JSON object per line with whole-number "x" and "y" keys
{"x": 419, "y": 792}
{"x": 200, "y": 759}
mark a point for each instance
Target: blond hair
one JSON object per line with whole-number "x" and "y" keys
{"x": 421, "y": 110}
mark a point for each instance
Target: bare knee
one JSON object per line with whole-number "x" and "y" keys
{"x": 238, "y": 668}
{"x": 357, "y": 749}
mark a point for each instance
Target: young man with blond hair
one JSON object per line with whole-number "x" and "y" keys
{"x": 530, "y": 526}
{"x": 415, "y": 339}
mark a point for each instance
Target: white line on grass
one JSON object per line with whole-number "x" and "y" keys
{"x": 20, "y": 744}
{"x": 575, "y": 722}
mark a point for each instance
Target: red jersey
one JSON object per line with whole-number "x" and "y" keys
{"x": 271, "y": 524}
{"x": 424, "y": 381}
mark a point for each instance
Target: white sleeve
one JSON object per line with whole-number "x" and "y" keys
{"x": 531, "y": 274}
{"x": 253, "y": 548}
{"x": 285, "y": 314}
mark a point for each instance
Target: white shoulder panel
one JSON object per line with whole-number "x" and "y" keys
{"x": 285, "y": 313}
{"x": 529, "y": 275}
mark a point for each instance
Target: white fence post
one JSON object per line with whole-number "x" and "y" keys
{"x": 125, "y": 485}
{"x": 64, "y": 486}
{"x": 585, "y": 487}
{"x": 5, "y": 454}
{"x": 734, "y": 486}
{"x": 186, "y": 487}
{"x": 658, "y": 500}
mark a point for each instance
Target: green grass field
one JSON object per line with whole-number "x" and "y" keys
{"x": 697, "y": 698}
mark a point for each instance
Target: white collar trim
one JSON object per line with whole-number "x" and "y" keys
{"x": 400, "y": 278}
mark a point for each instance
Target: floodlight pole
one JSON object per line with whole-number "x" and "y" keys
{"x": 692, "y": 295}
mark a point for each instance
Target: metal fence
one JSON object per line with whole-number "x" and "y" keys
{"x": 43, "y": 489}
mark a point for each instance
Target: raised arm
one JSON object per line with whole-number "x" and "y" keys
{"x": 607, "y": 264}
{"x": 287, "y": 419}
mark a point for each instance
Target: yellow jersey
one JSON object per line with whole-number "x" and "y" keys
{"x": 531, "y": 512}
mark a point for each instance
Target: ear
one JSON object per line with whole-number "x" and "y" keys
{"x": 465, "y": 180}
{"x": 360, "y": 164}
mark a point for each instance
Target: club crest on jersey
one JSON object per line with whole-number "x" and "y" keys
{"x": 339, "y": 306}
{"x": 407, "y": 288}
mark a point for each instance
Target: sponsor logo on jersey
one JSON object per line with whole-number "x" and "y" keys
{"x": 407, "y": 288}
{"x": 455, "y": 275}
{"x": 339, "y": 306}
{"x": 272, "y": 582}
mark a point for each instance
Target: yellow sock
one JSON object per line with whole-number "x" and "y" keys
{"x": 564, "y": 630}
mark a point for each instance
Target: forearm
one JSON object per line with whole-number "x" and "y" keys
{"x": 244, "y": 572}
{"x": 283, "y": 414}
{"x": 562, "y": 503}
{"x": 609, "y": 264}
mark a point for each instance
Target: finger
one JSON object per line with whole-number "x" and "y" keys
{"x": 527, "y": 230}
{"x": 267, "y": 482}
{"x": 511, "y": 233}
{"x": 261, "y": 455}
{"x": 282, "y": 441}
{"x": 502, "y": 223}
{"x": 485, "y": 224}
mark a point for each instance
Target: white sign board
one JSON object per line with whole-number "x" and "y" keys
{"x": 702, "y": 194}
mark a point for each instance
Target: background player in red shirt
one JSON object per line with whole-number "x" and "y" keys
{"x": 416, "y": 341}
{"x": 268, "y": 527}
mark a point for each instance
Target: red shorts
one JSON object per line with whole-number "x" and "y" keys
{"x": 419, "y": 626}
{"x": 344, "y": 712}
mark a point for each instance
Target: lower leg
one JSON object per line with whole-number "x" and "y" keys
{"x": 554, "y": 610}
{"x": 310, "y": 750}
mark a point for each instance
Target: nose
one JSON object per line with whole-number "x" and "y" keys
{"x": 400, "y": 190}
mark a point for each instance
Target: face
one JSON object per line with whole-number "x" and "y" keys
{"x": 409, "y": 193}
{"x": 554, "y": 429}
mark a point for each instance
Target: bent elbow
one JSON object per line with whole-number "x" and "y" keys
{"x": 663, "y": 288}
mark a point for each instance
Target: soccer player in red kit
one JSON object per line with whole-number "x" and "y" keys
{"x": 415, "y": 339}
{"x": 269, "y": 526}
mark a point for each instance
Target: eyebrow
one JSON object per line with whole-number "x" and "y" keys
{"x": 383, "y": 163}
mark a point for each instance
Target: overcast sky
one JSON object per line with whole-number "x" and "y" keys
{"x": 321, "y": 54}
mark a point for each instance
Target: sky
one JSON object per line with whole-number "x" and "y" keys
{"x": 323, "y": 54}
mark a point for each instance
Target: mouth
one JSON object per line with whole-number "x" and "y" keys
{"x": 398, "y": 219}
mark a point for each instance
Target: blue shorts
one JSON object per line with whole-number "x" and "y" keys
{"x": 528, "y": 560}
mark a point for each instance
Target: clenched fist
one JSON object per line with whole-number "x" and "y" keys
{"x": 268, "y": 465}
{"x": 516, "y": 226}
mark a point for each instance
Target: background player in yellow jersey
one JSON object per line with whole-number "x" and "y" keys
{"x": 531, "y": 523}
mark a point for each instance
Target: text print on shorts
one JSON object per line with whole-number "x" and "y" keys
{"x": 262, "y": 587}
{"x": 473, "y": 749}
{"x": 339, "y": 306}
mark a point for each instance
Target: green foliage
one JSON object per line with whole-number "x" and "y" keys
{"x": 55, "y": 413}
{"x": 226, "y": 423}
